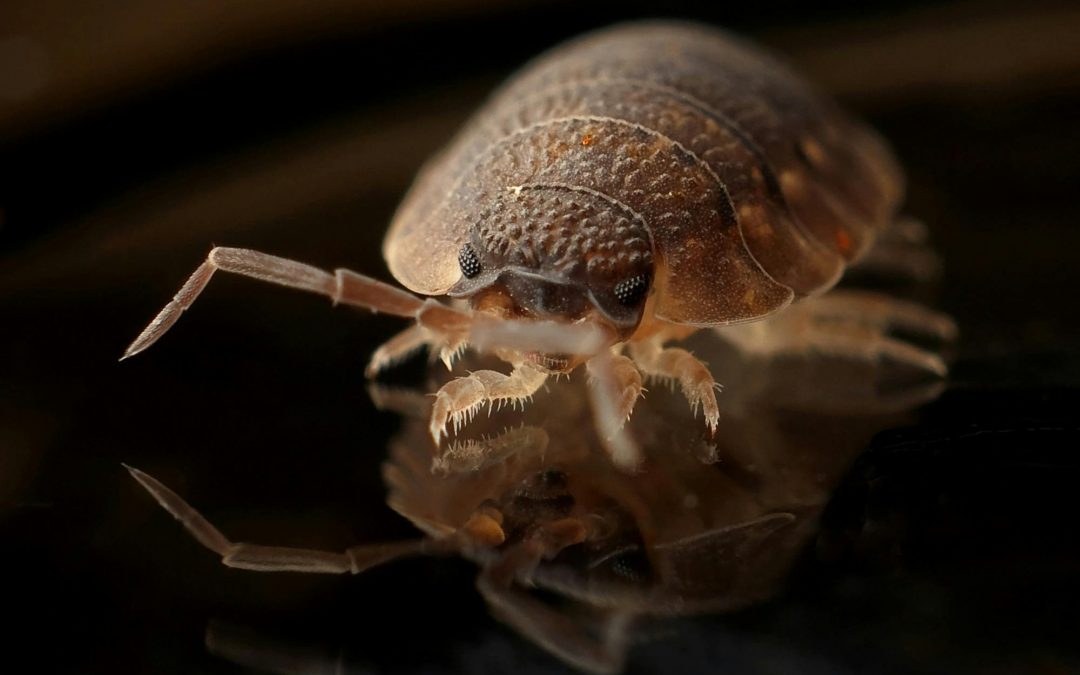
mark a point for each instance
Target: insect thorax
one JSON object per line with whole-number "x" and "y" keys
{"x": 564, "y": 231}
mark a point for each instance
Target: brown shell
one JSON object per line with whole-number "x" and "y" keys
{"x": 755, "y": 189}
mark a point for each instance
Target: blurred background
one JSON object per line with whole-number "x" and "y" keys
{"x": 135, "y": 134}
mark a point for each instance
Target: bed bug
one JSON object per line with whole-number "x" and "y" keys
{"x": 539, "y": 505}
{"x": 621, "y": 192}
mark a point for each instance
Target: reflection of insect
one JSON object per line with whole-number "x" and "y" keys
{"x": 540, "y": 506}
{"x": 621, "y": 192}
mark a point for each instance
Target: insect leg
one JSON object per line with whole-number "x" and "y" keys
{"x": 397, "y": 348}
{"x": 276, "y": 558}
{"x": 881, "y": 313}
{"x": 612, "y": 393}
{"x": 856, "y": 325}
{"x": 446, "y": 346}
{"x": 460, "y": 399}
{"x": 408, "y": 403}
{"x": 343, "y": 286}
{"x": 626, "y": 379}
{"x": 679, "y": 365}
{"x": 900, "y": 253}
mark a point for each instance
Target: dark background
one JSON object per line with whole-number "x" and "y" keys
{"x": 134, "y": 135}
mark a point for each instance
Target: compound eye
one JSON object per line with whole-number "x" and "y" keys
{"x": 631, "y": 292}
{"x": 469, "y": 261}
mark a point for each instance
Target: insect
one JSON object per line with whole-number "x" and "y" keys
{"x": 623, "y": 191}
{"x": 540, "y": 505}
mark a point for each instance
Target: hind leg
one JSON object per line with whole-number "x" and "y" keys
{"x": 857, "y": 325}
{"x": 901, "y": 253}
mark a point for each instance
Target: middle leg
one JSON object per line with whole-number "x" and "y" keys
{"x": 678, "y": 365}
{"x": 615, "y": 385}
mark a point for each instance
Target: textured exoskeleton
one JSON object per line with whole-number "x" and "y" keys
{"x": 674, "y": 151}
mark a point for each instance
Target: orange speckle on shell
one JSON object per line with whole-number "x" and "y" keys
{"x": 587, "y": 139}
{"x": 843, "y": 242}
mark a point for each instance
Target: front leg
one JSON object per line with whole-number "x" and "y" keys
{"x": 443, "y": 327}
{"x": 460, "y": 399}
{"x": 343, "y": 286}
{"x": 678, "y": 365}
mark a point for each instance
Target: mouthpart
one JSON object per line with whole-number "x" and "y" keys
{"x": 552, "y": 363}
